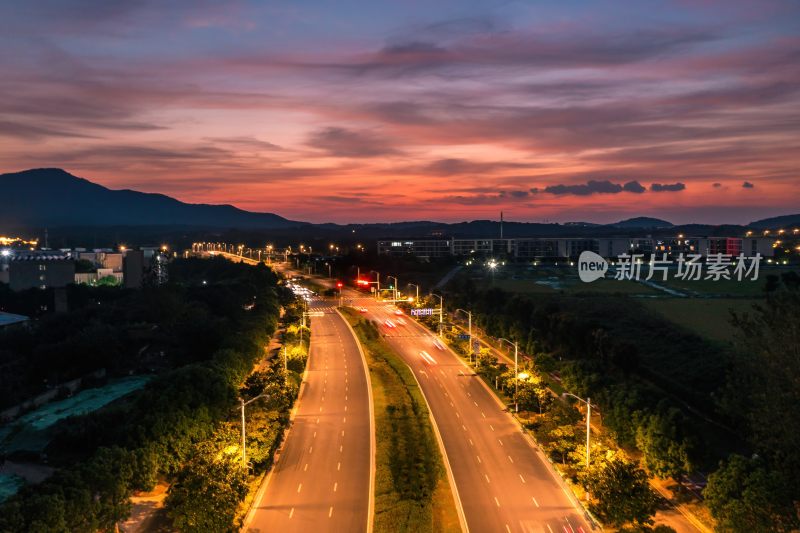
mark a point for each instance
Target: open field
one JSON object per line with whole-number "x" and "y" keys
{"x": 708, "y": 317}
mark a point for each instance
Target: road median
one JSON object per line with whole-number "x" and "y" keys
{"x": 412, "y": 491}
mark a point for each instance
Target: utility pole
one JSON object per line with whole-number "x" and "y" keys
{"x": 244, "y": 449}
{"x": 516, "y": 372}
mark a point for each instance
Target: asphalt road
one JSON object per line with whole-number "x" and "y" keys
{"x": 321, "y": 481}
{"x": 504, "y": 482}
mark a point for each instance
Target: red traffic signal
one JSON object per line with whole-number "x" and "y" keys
{"x": 339, "y": 284}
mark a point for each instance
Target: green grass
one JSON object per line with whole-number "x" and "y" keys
{"x": 708, "y": 317}
{"x": 723, "y": 287}
{"x": 412, "y": 492}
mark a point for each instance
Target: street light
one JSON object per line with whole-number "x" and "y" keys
{"x": 469, "y": 321}
{"x": 378, "y": 281}
{"x": 417, "y": 287}
{"x": 244, "y": 450}
{"x": 588, "y": 420}
{"x": 516, "y": 371}
{"x": 393, "y": 286}
{"x": 441, "y": 311}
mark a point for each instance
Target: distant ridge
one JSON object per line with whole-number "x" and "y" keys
{"x": 642, "y": 222}
{"x": 777, "y": 222}
{"x": 53, "y": 197}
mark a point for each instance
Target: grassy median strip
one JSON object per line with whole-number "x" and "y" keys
{"x": 412, "y": 492}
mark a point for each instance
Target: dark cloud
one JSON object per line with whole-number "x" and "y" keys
{"x": 457, "y": 166}
{"x": 341, "y": 142}
{"x": 634, "y": 186}
{"x": 592, "y": 187}
{"x": 747, "y": 185}
{"x": 667, "y": 187}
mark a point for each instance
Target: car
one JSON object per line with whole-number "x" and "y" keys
{"x": 398, "y": 312}
{"x": 362, "y": 309}
{"x": 427, "y": 357}
{"x": 389, "y": 323}
{"x": 438, "y": 344}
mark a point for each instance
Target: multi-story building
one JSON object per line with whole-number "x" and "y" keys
{"x": 37, "y": 269}
{"x": 554, "y": 248}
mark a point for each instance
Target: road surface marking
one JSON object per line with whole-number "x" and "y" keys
{"x": 305, "y": 468}
{"x": 323, "y": 397}
{"x": 345, "y": 397}
{"x": 317, "y": 420}
{"x": 468, "y": 394}
{"x": 476, "y": 403}
{"x": 341, "y": 446}
{"x": 344, "y": 419}
{"x": 458, "y": 415}
{"x": 300, "y": 486}
{"x": 510, "y": 459}
{"x": 470, "y": 442}
{"x": 522, "y": 478}
{"x": 451, "y": 404}
{"x": 338, "y": 466}
{"x": 315, "y": 434}
{"x": 320, "y": 408}
{"x": 550, "y": 528}
{"x": 345, "y": 408}
{"x": 487, "y": 478}
{"x": 330, "y": 511}
{"x": 534, "y": 501}
{"x": 291, "y": 512}
{"x": 508, "y": 528}
{"x": 491, "y": 427}
{"x": 335, "y": 485}
{"x": 479, "y": 458}
{"x": 501, "y": 442}
{"x": 342, "y": 433}
{"x": 483, "y": 415}
{"x": 497, "y": 501}
{"x": 310, "y": 449}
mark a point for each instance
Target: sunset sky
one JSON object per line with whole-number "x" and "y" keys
{"x": 440, "y": 110}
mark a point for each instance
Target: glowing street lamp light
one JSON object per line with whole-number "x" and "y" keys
{"x": 244, "y": 403}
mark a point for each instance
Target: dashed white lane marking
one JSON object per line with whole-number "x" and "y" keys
{"x": 521, "y": 478}
{"x": 550, "y": 528}
{"x": 491, "y": 427}
{"x": 300, "y": 486}
{"x": 501, "y": 442}
{"x": 315, "y": 434}
{"x": 310, "y": 449}
{"x": 291, "y": 513}
{"x": 330, "y": 511}
{"x": 487, "y": 478}
{"x": 497, "y": 501}
{"x": 470, "y": 442}
{"x": 342, "y": 433}
{"x": 317, "y": 420}
{"x": 510, "y": 459}
{"x": 476, "y": 403}
{"x": 464, "y": 427}
{"x": 305, "y": 468}
{"x": 479, "y": 458}
{"x": 508, "y": 528}
{"x": 341, "y": 447}
{"x": 345, "y": 408}
{"x": 344, "y": 419}
{"x": 534, "y": 501}
{"x": 335, "y": 486}
{"x": 483, "y": 415}
{"x": 458, "y": 415}
{"x": 338, "y": 466}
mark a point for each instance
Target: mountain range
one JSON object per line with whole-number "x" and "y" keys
{"x": 52, "y": 197}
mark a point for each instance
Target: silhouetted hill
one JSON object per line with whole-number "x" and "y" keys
{"x": 642, "y": 222}
{"x": 777, "y": 222}
{"x": 53, "y": 197}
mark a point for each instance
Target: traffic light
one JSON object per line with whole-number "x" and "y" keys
{"x": 339, "y": 284}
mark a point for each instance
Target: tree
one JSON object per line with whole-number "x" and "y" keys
{"x": 658, "y": 438}
{"x": 620, "y": 493}
{"x": 744, "y": 496}
{"x": 207, "y": 492}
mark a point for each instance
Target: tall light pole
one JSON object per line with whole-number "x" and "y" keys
{"x": 244, "y": 449}
{"x": 441, "y": 311}
{"x": 588, "y": 403}
{"x": 516, "y": 370}
{"x": 394, "y": 291}
{"x": 469, "y": 321}
{"x": 378, "y": 281}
